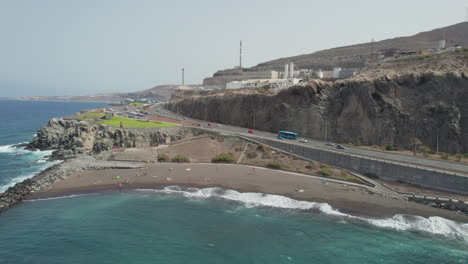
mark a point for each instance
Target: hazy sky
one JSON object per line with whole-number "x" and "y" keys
{"x": 65, "y": 47}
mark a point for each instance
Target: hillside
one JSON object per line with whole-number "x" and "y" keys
{"x": 159, "y": 93}
{"x": 356, "y": 56}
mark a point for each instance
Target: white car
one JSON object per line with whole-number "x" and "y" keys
{"x": 218, "y": 125}
{"x": 302, "y": 140}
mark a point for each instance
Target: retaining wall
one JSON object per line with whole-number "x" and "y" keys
{"x": 387, "y": 170}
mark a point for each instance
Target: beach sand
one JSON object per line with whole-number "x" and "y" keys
{"x": 346, "y": 197}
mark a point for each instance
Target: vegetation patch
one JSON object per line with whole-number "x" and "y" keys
{"x": 325, "y": 172}
{"x": 251, "y": 154}
{"x": 128, "y": 122}
{"x": 353, "y": 178}
{"x": 391, "y": 147}
{"x": 163, "y": 158}
{"x": 136, "y": 104}
{"x": 223, "y": 158}
{"x": 91, "y": 116}
{"x": 180, "y": 159}
{"x": 276, "y": 165}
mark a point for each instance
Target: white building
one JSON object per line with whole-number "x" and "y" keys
{"x": 336, "y": 72}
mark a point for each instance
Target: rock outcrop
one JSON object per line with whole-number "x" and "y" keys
{"x": 72, "y": 137}
{"x": 379, "y": 111}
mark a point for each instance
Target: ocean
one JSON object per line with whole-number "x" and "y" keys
{"x": 188, "y": 225}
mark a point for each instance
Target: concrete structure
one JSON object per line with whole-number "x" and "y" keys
{"x": 220, "y": 79}
{"x": 257, "y": 83}
{"x": 336, "y": 72}
{"x": 319, "y": 73}
{"x": 388, "y": 170}
{"x": 441, "y": 44}
{"x": 126, "y": 101}
{"x": 346, "y": 73}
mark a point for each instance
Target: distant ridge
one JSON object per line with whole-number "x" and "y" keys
{"x": 356, "y": 56}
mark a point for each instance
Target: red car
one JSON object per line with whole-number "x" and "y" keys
{"x": 250, "y": 131}
{"x": 209, "y": 124}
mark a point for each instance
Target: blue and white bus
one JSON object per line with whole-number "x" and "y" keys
{"x": 287, "y": 134}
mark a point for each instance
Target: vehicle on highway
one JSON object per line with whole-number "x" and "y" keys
{"x": 218, "y": 125}
{"x": 288, "y": 135}
{"x": 329, "y": 144}
{"x": 303, "y": 140}
{"x": 340, "y": 146}
{"x": 209, "y": 124}
{"x": 250, "y": 131}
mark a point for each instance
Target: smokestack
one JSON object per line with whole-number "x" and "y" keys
{"x": 286, "y": 71}
{"x": 183, "y": 76}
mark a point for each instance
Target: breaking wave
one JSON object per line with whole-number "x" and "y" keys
{"x": 32, "y": 163}
{"x": 434, "y": 225}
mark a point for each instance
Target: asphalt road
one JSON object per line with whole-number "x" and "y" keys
{"x": 458, "y": 168}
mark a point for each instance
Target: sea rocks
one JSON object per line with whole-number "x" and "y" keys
{"x": 70, "y": 137}
{"x": 16, "y": 194}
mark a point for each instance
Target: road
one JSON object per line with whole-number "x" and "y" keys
{"x": 456, "y": 168}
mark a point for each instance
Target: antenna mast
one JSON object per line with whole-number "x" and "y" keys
{"x": 240, "y": 55}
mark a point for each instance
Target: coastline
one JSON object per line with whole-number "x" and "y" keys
{"x": 348, "y": 199}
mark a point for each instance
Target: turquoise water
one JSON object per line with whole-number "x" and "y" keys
{"x": 188, "y": 227}
{"x": 178, "y": 225}
{"x": 20, "y": 122}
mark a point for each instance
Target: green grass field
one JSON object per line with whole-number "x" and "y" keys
{"x": 128, "y": 122}
{"x": 136, "y": 104}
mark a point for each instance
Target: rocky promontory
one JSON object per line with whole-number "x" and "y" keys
{"x": 73, "y": 137}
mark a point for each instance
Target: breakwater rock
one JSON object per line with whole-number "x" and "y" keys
{"x": 72, "y": 137}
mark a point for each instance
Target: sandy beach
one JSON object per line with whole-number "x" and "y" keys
{"x": 347, "y": 197}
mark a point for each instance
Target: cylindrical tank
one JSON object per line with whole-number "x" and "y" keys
{"x": 291, "y": 70}
{"x": 286, "y": 71}
{"x": 441, "y": 44}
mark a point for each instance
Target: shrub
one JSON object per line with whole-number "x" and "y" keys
{"x": 390, "y": 147}
{"x": 261, "y": 148}
{"x": 444, "y": 156}
{"x": 295, "y": 157}
{"x": 223, "y": 157}
{"x": 371, "y": 175}
{"x": 311, "y": 166}
{"x": 180, "y": 159}
{"x": 266, "y": 155}
{"x": 163, "y": 158}
{"x": 325, "y": 172}
{"x": 276, "y": 165}
{"x": 238, "y": 149}
{"x": 324, "y": 166}
{"x": 466, "y": 155}
{"x": 251, "y": 154}
{"x": 358, "y": 143}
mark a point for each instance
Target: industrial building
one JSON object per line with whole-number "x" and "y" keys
{"x": 288, "y": 80}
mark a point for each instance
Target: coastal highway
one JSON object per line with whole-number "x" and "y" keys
{"x": 457, "y": 168}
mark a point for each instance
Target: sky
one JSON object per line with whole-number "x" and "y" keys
{"x": 85, "y": 47}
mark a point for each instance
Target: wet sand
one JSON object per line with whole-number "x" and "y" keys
{"x": 347, "y": 197}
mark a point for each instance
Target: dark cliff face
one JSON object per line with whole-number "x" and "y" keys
{"x": 374, "y": 112}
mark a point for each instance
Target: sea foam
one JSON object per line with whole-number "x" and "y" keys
{"x": 37, "y": 157}
{"x": 434, "y": 225}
